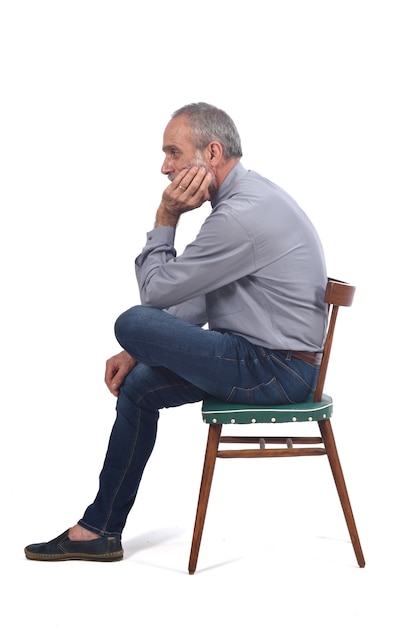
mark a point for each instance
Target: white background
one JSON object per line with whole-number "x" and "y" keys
{"x": 323, "y": 94}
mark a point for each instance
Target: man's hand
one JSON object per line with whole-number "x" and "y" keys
{"x": 187, "y": 192}
{"x": 117, "y": 368}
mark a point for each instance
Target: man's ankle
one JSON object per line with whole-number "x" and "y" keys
{"x": 78, "y": 533}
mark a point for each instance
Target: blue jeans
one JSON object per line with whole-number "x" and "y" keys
{"x": 179, "y": 363}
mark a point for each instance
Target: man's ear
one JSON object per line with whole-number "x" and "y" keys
{"x": 215, "y": 153}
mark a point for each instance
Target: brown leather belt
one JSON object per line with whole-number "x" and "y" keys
{"x": 310, "y": 357}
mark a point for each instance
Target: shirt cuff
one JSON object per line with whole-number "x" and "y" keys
{"x": 161, "y": 234}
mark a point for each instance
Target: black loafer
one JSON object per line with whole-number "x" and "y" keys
{"x": 63, "y": 549}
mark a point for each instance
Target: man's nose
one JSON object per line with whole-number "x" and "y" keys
{"x": 167, "y": 167}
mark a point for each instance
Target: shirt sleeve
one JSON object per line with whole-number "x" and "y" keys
{"x": 192, "y": 311}
{"x": 222, "y": 252}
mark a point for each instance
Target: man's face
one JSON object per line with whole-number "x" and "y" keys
{"x": 179, "y": 149}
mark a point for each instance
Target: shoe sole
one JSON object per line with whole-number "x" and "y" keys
{"x": 75, "y": 556}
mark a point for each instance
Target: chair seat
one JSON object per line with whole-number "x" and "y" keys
{"x": 215, "y": 411}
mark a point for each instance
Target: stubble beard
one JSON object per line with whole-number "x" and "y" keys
{"x": 198, "y": 162}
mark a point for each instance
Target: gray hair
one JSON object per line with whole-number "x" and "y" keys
{"x": 208, "y": 123}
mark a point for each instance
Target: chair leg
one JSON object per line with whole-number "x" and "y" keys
{"x": 332, "y": 454}
{"x": 206, "y": 480}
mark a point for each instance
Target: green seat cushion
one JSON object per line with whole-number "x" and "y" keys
{"x": 216, "y": 411}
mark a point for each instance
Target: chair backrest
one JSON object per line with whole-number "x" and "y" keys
{"x": 337, "y": 294}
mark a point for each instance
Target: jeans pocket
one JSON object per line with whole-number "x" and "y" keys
{"x": 263, "y": 394}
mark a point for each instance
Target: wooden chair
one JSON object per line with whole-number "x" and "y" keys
{"x": 317, "y": 409}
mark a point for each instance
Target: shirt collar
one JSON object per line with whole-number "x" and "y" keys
{"x": 227, "y": 185}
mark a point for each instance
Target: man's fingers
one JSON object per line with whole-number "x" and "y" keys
{"x": 196, "y": 180}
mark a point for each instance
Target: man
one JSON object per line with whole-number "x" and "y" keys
{"x": 255, "y": 274}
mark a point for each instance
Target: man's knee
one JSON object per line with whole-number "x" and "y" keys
{"x": 132, "y": 323}
{"x": 124, "y": 322}
{"x": 137, "y": 384}
{"x": 139, "y": 322}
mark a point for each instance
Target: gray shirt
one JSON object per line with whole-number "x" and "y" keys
{"x": 256, "y": 268}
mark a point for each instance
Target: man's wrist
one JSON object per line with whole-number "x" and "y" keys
{"x": 164, "y": 218}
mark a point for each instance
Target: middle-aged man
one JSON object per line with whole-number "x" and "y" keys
{"x": 255, "y": 275}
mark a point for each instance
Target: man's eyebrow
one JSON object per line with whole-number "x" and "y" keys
{"x": 170, "y": 146}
